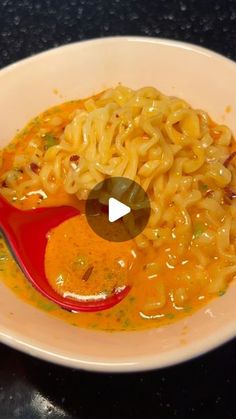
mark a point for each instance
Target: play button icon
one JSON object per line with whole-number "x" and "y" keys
{"x": 117, "y": 209}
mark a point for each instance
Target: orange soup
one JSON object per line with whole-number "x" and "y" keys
{"x": 186, "y": 254}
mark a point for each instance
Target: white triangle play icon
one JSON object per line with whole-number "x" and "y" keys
{"x": 117, "y": 210}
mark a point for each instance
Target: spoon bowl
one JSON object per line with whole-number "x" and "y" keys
{"x": 26, "y": 235}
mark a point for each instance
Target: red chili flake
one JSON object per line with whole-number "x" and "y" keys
{"x": 75, "y": 158}
{"x": 104, "y": 209}
{"x": 230, "y": 194}
{"x": 34, "y": 167}
{"x": 87, "y": 273}
{"x": 4, "y": 185}
{"x": 209, "y": 193}
{"x": 228, "y": 160}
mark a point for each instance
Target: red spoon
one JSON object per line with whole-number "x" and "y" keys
{"x": 26, "y": 235}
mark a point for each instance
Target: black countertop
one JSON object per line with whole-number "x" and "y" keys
{"x": 33, "y": 389}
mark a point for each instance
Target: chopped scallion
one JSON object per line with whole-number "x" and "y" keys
{"x": 49, "y": 140}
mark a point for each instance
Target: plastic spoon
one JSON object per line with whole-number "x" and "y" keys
{"x": 26, "y": 235}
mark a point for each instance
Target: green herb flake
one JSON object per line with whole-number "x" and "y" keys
{"x": 198, "y": 230}
{"x": 46, "y": 306}
{"x": 203, "y": 187}
{"x": 132, "y": 299}
{"x": 221, "y": 293}
{"x": 3, "y": 256}
{"x": 107, "y": 292}
{"x": 169, "y": 315}
{"x": 126, "y": 323}
{"x": 109, "y": 275}
{"x": 120, "y": 313}
{"x": 187, "y": 309}
{"x": 11, "y": 147}
{"x": 36, "y": 121}
{"x": 49, "y": 140}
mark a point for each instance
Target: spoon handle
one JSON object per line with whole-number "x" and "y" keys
{"x": 3, "y": 203}
{"x": 5, "y": 210}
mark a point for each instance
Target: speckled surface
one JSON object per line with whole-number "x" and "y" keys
{"x": 32, "y": 389}
{"x": 30, "y": 26}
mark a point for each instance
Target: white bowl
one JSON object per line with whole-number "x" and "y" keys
{"x": 205, "y": 79}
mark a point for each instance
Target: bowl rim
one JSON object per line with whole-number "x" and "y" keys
{"x": 140, "y": 363}
{"x": 142, "y": 39}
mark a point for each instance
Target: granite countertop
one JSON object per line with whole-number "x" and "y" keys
{"x": 33, "y": 389}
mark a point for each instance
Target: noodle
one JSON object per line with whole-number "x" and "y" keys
{"x": 174, "y": 152}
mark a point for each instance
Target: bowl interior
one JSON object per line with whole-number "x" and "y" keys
{"x": 199, "y": 76}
